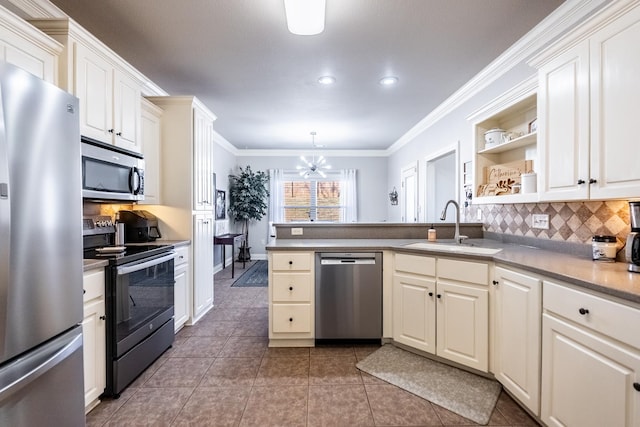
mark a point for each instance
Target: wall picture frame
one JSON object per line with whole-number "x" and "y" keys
{"x": 221, "y": 204}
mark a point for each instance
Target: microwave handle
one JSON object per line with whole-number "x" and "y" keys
{"x": 134, "y": 181}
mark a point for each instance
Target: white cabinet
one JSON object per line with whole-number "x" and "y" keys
{"x": 203, "y": 257}
{"x": 94, "y": 337}
{"x": 590, "y": 360}
{"x": 516, "y": 311}
{"x": 291, "y": 299}
{"x": 182, "y": 286}
{"x": 441, "y": 306}
{"x": 24, "y": 46}
{"x": 151, "y": 123}
{"x": 497, "y": 166}
{"x": 203, "y": 197}
{"x": 589, "y": 98}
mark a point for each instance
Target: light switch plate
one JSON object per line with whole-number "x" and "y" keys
{"x": 540, "y": 221}
{"x": 296, "y": 231}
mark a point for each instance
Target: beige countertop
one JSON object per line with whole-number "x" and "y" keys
{"x": 609, "y": 278}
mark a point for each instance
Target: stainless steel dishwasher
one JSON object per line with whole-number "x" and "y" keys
{"x": 348, "y": 296}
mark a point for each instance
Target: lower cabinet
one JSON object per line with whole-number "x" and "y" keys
{"x": 202, "y": 265}
{"x": 181, "y": 300}
{"x": 94, "y": 337}
{"x": 441, "y": 306}
{"x": 517, "y": 306}
{"x": 590, "y": 360}
{"x": 291, "y": 299}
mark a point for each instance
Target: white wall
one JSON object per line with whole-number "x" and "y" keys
{"x": 223, "y": 164}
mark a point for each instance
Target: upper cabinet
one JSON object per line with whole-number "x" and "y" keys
{"x": 505, "y": 142}
{"x": 587, "y": 102}
{"x": 151, "y": 134}
{"x": 109, "y": 89}
{"x": 27, "y": 48}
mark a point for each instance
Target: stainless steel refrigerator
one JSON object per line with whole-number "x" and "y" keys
{"x": 41, "y": 370}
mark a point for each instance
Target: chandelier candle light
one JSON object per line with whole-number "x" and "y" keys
{"x": 315, "y": 165}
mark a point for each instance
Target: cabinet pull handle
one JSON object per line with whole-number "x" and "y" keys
{"x": 583, "y": 311}
{"x": 636, "y": 386}
{"x": 495, "y": 282}
{"x": 103, "y": 317}
{"x": 290, "y": 288}
{"x": 580, "y": 181}
{"x": 290, "y": 319}
{"x": 430, "y": 294}
{"x": 439, "y": 296}
{"x": 592, "y": 181}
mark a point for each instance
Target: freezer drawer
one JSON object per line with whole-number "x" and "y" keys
{"x": 44, "y": 387}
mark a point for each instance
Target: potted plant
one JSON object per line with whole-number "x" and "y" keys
{"x": 247, "y": 201}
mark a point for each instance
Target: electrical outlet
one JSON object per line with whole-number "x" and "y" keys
{"x": 479, "y": 214}
{"x": 296, "y": 231}
{"x": 540, "y": 221}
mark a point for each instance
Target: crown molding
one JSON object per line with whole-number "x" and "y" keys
{"x": 39, "y": 9}
{"x": 222, "y": 142}
{"x": 296, "y": 153}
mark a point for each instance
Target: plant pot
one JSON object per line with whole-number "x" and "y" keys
{"x": 244, "y": 254}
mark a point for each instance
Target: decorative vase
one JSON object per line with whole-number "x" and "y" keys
{"x": 244, "y": 254}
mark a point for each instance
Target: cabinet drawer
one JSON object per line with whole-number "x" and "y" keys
{"x": 416, "y": 264}
{"x": 292, "y": 261}
{"x": 182, "y": 255}
{"x": 295, "y": 318}
{"x": 93, "y": 284}
{"x": 463, "y": 271}
{"x": 607, "y": 317}
{"x": 291, "y": 287}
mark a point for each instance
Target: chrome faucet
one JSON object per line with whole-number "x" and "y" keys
{"x": 457, "y": 237}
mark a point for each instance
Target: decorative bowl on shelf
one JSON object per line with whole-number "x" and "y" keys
{"x": 494, "y": 137}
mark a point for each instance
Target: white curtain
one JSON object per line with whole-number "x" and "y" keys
{"x": 276, "y": 198}
{"x": 348, "y": 195}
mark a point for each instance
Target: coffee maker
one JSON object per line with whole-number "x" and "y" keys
{"x": 632, "y": 251}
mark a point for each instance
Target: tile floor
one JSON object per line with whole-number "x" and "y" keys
{"x": 220, "y": 372}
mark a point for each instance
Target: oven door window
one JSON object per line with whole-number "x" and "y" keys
{"x": 98, "y": 175}
{"x": 143, "y": 300}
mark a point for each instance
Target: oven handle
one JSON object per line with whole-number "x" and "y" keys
{"x": 137, "y": 267}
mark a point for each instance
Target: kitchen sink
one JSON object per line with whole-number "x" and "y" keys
{"x": 453, "y": 248}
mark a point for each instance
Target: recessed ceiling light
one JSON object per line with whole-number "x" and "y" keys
{"x": 388, "y": 81}
{"x": 305, "y": 17}
{"x": 326, "y": 80}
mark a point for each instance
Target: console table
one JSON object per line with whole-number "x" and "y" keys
{"x": 233, "y": 240}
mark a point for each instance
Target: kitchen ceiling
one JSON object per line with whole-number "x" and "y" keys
{"x": 238, "y": 57}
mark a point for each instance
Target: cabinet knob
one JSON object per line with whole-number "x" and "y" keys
{"x": 290, "y": 262}
{"x": 592, "y": 181}
{"x": 290, "y": 288}
{"x": 580, "y": 181}
{"x": 439, "y": 296}
{"x": 430, "y": 294}
{"x": 84, "y": 291}
{"x": 495, "y": 282}
{"x": 636, "y": 386}
{"x": 110, "y": 130}
{"x": 103, "y": 317}
{"x": 583, "y": 311}
{"x": 290, "y": 319}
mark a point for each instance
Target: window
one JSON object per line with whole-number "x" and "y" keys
{"x": 312, "y": 200}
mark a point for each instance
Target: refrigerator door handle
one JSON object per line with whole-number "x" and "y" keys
{"x": 5, "y": 233}
{"x": 35, "y": 365}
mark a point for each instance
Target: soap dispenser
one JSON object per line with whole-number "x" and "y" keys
{"x": 431, "y": 234}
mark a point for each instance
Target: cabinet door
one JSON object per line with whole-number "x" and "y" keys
{"x": 563, "y": 126}
{"x": 202, "y": 265}
{"x": 181, "y": 295}
{"x": 94, "y": 88}
{"x": 150, "y": 145}
{"x": 20, "y": 52}
{"x": 126, "y": 112}
{"x": 615, "y": 103}
{"x": 516, "y": 352}
{"x": 463, "y": 324}
{"x": 94, "y": 353}
{"x": 202, "y": 161}
{"x": 587, "y": 381}
{"x": 414, "y": 315}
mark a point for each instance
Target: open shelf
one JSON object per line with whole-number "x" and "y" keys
{"x": 521, "y": 141}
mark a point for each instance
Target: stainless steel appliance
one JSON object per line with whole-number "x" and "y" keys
{"x": 348, "y": 296}
{"x": 139, "y": 301}
{"x": 632, "y": 251}
{"x": 140, "y": 226}
{"x": 111, "y": 173}
{"x": 41, "y": 371}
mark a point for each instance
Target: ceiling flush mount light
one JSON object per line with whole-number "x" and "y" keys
{"x": 388, "y": 81}
{"x": 305, "y": 17}
{"x": 313, "y": 166}
{"x": 326, "y": 80}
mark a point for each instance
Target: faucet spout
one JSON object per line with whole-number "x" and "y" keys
{"x": 443, "y": 216}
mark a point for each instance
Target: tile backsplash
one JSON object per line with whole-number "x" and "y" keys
{"x": 573, "y": 222}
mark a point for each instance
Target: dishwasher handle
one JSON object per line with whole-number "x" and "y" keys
{"x": 350, "y": 261}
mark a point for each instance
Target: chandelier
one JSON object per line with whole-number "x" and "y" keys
{"x": 313, "y": 166}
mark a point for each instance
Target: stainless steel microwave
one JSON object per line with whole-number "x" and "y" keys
{"x": 111, "y": 173}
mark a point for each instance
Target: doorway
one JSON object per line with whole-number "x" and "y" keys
{"x": 442, "y": 172}
{"x": 409, "y": 179}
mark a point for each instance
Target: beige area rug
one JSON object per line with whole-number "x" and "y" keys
{"x": 469, "y": 395}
